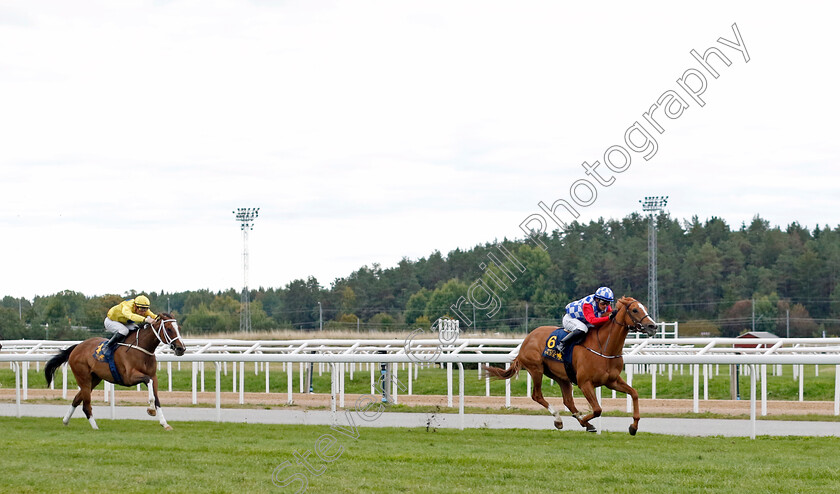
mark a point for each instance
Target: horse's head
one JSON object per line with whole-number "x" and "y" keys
{"x": 166, "y": 329}
{"x": 632, "y": 314}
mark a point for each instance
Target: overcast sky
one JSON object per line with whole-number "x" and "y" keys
{"x": 371, "y": 131}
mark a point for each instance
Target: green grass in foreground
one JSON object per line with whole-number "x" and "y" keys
{"x": 40, "y": 455}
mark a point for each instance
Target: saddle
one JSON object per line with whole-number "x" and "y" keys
{"x": 552, "y": 353}
{"x": 105, "y": 354}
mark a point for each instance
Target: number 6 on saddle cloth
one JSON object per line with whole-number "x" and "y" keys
{"x": 566, "y": 357}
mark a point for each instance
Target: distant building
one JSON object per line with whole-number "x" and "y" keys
{"x": 753, "y": 335}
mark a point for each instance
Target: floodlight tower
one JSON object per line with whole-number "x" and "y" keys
{"x": 246, "y": 218}
{"x": 653, "y": 205}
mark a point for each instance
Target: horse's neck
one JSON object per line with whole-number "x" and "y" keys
{"x": 612, "y": 335}
{"x": 147, "y": 340}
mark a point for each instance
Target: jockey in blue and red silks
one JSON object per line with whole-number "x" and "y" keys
{"x": 589, "y": 312}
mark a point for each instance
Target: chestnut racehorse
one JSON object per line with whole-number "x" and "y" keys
{"x": 597, "y": 362}
{"x": 135, "y": 361}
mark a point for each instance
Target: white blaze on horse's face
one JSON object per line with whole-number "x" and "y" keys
{"x": 647, "y": 314}
{"x": 178, "y": 350}
{"x": 177, "y": 332}
{"x": 650, "y": 329}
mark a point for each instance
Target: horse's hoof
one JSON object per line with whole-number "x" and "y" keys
{"x": 633, "y": 430}
{"x": 590, "y": 428}
{"x": 558, "y": 424}
{"x": 151, "y": 411}
{"x": 167, "y": 427}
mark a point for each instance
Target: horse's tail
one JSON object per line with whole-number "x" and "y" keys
{"x": 498, "y": 373}
{"x": 55, "y": 362}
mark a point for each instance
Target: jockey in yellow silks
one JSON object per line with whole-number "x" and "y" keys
{"x": 126, "y": 316}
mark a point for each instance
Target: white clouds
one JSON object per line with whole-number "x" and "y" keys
{"x": 372, "y": 131}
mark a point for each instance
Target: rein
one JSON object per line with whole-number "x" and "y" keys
{"x": 601, "y": 354}
{"x": 137, "y": 348}
{"x": 156, "y": 332}
{"x": 628, "y": 327}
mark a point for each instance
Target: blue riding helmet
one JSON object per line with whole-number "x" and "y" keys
{"x": 604, "y": 293}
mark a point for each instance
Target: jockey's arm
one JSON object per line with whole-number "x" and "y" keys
{"x": 130, "y": 315}
{"x": 589, "y": 315}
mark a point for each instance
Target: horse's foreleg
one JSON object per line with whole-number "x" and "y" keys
{"x": 621, "y": 385}
{"x": 588, "y": 390}
{"x": 138, "y": 377}
{"x": 151, "y": 410}
{"x": 158, "y": 410}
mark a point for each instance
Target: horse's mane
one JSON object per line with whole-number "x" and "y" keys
{"x": 625, "y": 301}
{"x": 622, "y": 303}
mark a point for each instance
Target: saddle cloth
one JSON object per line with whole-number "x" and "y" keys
{"x": 105, "y": 354}
{"x": 551, "y": 352}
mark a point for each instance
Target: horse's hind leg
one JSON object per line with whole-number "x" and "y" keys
{"x": 76, "y": 401}
{"x": 568, "y": 397}
{"x": 86, "y": 387}
{"x": 565, "y": 392}
{"x": 86, "y": 382}
{"x": 536, "y": 395}
{"x": 589, "y": 392}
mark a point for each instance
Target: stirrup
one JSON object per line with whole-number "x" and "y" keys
{"x": 116, "y": 338}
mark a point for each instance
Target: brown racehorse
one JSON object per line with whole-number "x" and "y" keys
{"x": 597, "y": 362}
{"x": 135, "y": 362}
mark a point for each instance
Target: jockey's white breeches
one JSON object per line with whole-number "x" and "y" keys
{"x": 570, "y": 324}
{"x": 118, "y": 327}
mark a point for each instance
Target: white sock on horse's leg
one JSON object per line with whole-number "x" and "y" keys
{"x": 151, "y": 396}
{"x": 66, "y": 418}
{"x": 93, "y": 423}
{"x": 162, "y": 418}
{"x": 551, "y": 410}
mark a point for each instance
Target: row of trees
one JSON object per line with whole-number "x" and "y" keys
{"x": 713, "y": 279}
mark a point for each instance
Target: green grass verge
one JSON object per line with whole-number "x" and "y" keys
{"x": 40, "y": 455}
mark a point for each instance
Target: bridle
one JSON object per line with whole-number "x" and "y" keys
{"x": 167, "y": 340}
{"x": 161, "y": 329}
{"x": 637, "y": 325}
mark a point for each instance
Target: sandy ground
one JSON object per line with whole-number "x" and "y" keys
{"x": 320, "y": 400}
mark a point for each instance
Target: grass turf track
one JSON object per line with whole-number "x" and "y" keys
{"x": 41, "y": 455}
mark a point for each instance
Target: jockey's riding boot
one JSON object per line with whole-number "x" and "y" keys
{"x": 116, "y": 338}
{"x": 569, "y": 338}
